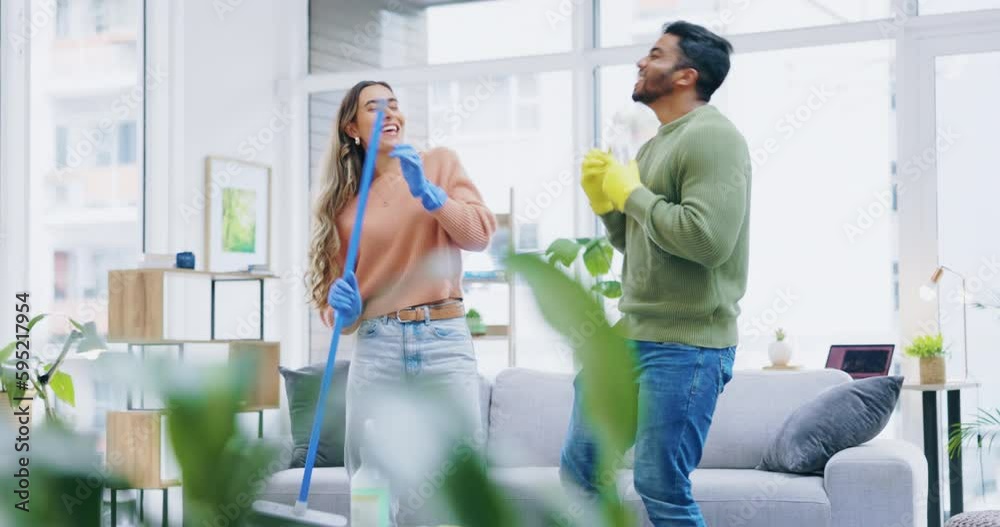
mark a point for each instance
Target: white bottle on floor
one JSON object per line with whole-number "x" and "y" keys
{"x": 369, "y": 488}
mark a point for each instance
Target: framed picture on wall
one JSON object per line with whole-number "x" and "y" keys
{"x": 237, "y": 214}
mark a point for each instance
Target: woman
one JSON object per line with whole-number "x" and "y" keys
{"x": 422, "y": 210}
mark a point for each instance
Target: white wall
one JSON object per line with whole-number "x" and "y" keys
{"x": 222, "y": 97}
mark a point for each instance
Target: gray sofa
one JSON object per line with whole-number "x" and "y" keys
{"x": 879, "y": 484}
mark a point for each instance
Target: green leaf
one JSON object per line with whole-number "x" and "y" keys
{"x": 563, "y": 251}
{"x": 608, "y": 374}
{"x": 217, "y": 463}
{"x": 985, "y": 429}
{"x": 77, "y": 325}
{"x": 597, "y": 257}
{"x": 37, "y": 319}
{"x": 7, "y": 351}
{"x": 62, "y": 385}
{"x": 8, "y": 374}
{"x": 610, "y": 289}
{"x": 475, "y": 498}
{"x": 91, "y": 339}
{"x": 606, "y": 356}
{"x": 926, "y": 346}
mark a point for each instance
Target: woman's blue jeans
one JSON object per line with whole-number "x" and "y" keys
{"x": 678, "y": 386}
{"x": 408, "y": 358}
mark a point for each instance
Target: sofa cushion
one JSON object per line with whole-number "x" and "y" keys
{"x": 744, "y": 497}
{"x": 529, "y": 415}
{"x": 840, "y": 417}
{"x": 302, "y": 388}
{"x": 329, "y": 489}
{"x": 755, "y": 498}
{"x": 753, "y": 408}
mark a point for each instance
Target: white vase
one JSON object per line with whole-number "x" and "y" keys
{"x": 780, "y": 353}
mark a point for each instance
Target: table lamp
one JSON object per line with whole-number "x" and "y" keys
{"x": 928, "y": 293}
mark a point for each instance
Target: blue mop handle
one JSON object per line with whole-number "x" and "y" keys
{"x": 367, "y": 172}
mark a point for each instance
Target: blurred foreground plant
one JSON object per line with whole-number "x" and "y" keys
{"x": 596, "y": 254}
{"x": 223, "y": 470}
{"x": 609, "y": 398}
{"x": 65, "y": 478}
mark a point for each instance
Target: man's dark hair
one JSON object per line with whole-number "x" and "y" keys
{"x": 704, "y": 51}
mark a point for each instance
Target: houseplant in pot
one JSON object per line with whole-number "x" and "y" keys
{"x": 24, "y": 371}
{"x": 475, "y": 321}
{"x": 779, "y": 351}
{"x": 596, "y": 254}
{"x": 931, "y": 352}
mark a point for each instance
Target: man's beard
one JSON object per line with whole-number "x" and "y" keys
{"x": 654, "y": 87}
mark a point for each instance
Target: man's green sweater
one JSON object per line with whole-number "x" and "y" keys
{"x": 684, "y": 233}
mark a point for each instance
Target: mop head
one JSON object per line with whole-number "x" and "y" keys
{"x": 266, "y": 514}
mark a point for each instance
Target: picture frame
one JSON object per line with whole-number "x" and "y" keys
{"x": 237, "y": 214}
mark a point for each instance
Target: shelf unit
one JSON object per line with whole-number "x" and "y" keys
{"x": 139, "y": 309}
{"x": 500, "y": 277}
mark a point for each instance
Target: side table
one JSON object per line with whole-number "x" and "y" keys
{"x": 932, "y": 446}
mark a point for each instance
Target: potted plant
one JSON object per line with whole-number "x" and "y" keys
{"x": 475, "y": 322}
{"x": 930, "y": 350}
{"x": 596, "y": 254}
{"x": 32, "y": 376}
{"x": 779, "y": 351}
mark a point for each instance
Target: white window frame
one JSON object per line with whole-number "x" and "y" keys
{"x": 917, "y": 216}
{"x": 14, "y": 53}
{"x": 15, "y": 119}
{"x": 917, "y": 209}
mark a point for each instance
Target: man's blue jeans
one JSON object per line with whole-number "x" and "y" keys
{"x": 678, "y": 388}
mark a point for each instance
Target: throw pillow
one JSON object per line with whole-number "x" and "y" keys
{"x": 840, "y": 417}
{"x": 302, "y": 388}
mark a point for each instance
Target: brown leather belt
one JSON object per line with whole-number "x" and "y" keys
{"x": 438, "y": 311}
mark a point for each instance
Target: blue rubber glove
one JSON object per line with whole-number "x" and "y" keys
{"x": 345, "y": 299}
{"x": 428, "y": 193}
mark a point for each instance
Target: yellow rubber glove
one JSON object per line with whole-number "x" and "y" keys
{"x": 595, "y": 165}
{"x": 619, "y": 182}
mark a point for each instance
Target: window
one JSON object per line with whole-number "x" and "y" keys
{"x": 62, "y": 267}
{"x": 99, "y": 10}
{"x": 803, "y": 273}
{"x": 818, "y": 114}
{"x": 624, "y": 22}
{"x": 83, "y": 175}
{"x": 933, "y": 7}
{"x": 103, "y": 147}
{"x": 346, "y": 35}
{"x": 62, "y": 146}
{"x": 126, "y": 143}
{"x": 62, "y": 18}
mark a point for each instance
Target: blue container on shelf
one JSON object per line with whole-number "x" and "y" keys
{"x": 185, "y": 260}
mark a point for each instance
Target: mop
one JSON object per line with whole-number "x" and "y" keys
{"x": 299, "y": 514}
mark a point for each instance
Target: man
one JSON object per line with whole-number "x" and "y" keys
{"x": 680, "y": 215}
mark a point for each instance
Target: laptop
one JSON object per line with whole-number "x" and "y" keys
{"x": 861, "y": 360}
